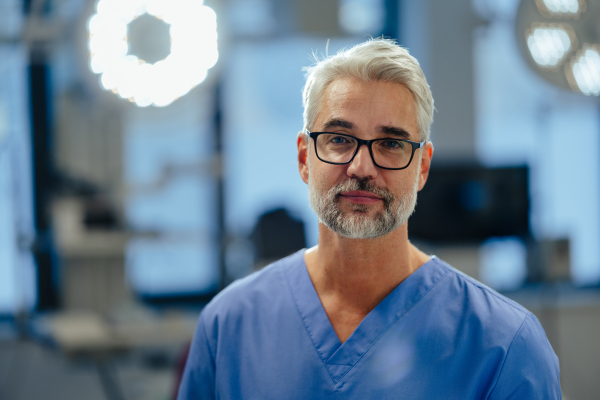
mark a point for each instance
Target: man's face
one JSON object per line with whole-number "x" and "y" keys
{"x": 359, "y": 200}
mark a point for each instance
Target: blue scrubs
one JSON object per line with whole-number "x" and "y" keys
{"x": 438, "y": 335}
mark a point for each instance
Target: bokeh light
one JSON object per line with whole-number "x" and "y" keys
{"x": 194, "y": 50}
{"x": 584, "y": 72}
{"x": 361, "y": 16}
{"x": 561, "y": 7}
{"x": 549, "y": 45}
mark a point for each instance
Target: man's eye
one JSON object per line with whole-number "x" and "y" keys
{"x": 392, "y": 144}
{"x": 338, "y": 140}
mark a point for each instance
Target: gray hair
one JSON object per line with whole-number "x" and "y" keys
{"x": 374, "y": 60}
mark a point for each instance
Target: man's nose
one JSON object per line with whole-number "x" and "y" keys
{"x": 362, "y": 165}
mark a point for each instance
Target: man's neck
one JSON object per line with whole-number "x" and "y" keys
{"x": 352, "y": 276}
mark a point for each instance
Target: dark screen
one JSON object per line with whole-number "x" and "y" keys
{"x": 471, "y": 204}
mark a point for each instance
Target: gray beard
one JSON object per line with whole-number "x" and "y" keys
{"x": 357, "y": 224}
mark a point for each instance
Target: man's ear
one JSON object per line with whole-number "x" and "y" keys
{"x": 302, "y": 143}
{"x": 426, "y": 154}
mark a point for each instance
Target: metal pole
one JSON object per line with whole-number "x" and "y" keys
{"x": 40, "y": 112}
{"x": 391, "y": 27}
{"x": 220, "y": 181}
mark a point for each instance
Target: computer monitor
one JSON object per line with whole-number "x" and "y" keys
{"x": 471, "y": 204}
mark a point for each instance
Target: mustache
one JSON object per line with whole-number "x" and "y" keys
{"x": 366, "y": 185}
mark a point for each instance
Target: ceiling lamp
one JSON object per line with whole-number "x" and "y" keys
{"x": 561, "y": 8}
{"x": 193, "y": 34}
{"x": 565, "y": 52}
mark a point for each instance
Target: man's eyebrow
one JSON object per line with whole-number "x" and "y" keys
{"x": 387, "y": 130}
{"x": 338, "y": 123}
{"x": 395, "y": 131}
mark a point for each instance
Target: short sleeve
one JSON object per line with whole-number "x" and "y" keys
{"x": 198, "y": 380}
{"x": 530, "y": 370}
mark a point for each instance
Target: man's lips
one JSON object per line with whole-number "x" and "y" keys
{"x": 359, "y": 196}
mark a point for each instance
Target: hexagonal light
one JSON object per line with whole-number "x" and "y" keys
{"x": 193, "y": 31}
{"x": 554, "y": 50}
{"x": 561, "y": 8}
{"x": 583, "y": 71}
{"x": 550, "y": 44}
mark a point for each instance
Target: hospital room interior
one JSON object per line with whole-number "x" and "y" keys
{"x": 130, "y": 196}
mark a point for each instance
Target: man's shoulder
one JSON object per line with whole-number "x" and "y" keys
{"x": 505, "y": 328}
{"x": 476, "y": 299}
{"x": 261, "y": 288}
{"x": 497, "y": 323}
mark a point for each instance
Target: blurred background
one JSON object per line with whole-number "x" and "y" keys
{"x": 148, "y": 159}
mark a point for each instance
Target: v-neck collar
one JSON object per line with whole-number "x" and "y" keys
{"x": 338, "y": 357}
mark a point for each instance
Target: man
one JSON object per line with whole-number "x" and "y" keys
{"x": 365, "y": 314}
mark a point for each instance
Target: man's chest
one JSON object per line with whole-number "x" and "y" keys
{"x": 287, "y": 364}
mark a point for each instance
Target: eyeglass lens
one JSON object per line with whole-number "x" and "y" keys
{"x": 387, "y": 153}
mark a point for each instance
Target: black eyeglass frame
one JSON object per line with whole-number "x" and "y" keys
{"x": 369, "y": 144}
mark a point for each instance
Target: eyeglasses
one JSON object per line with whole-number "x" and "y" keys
{"x": 386, "y": 153}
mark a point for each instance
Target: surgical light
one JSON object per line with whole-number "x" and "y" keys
{"x": 584, "y": 70}
{"x": 566, "y": 52}
{"x": 549, "y": 45}
{"x": 561, "y": 8}
{"x": 193, "y": 50}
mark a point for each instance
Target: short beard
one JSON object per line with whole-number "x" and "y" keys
{"x": 356, "y": 224}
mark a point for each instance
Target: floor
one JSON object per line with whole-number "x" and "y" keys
{"x": 32, "y": 371}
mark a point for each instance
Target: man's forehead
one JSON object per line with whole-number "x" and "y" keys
{"x": 349, "y": 84}
{"x": 352, "y": 104}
